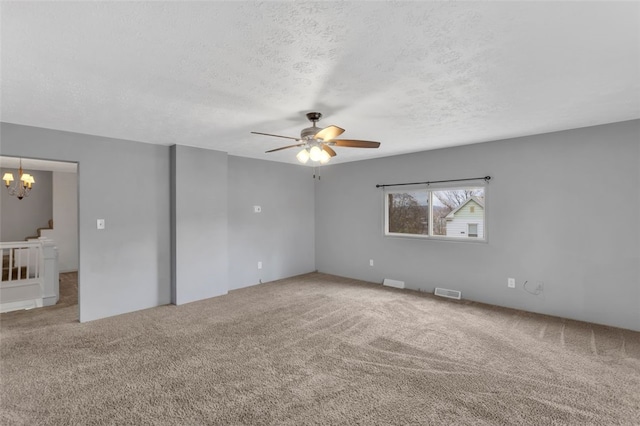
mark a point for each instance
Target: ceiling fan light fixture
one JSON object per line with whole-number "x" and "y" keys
{"x": 324, "y": 157}
{"x": 303, "y": 156}
{"x": 315, "y": 153}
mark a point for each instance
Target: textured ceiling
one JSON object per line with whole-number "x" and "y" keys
{"x": 412, "y": 75}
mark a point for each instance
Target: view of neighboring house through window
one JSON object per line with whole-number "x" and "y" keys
{"x": 451, "y": 213}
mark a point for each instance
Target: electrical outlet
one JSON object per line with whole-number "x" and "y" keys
{"x": 257, "y": 209}
{"x": 511, "y": 282}
{"x": 259, "y": 265}
{"x": 370, "y": 262}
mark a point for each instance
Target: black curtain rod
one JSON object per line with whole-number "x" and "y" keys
{"x": 485, "y": 178}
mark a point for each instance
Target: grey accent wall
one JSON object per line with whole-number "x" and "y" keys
{"x": 20, "y": 219}
{"x": 562, "y": 208}
{"x": 282, "y": 235}
{"x": 199, "y": 223}
{"x": 125, "y": 267}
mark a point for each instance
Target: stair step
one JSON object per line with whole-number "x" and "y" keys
{"x": 39, "y": 231}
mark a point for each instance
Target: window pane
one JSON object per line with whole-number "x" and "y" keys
{"x": 454, "y": 210}
{"x": 408, "y": 212}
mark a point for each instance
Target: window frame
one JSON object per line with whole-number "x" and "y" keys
{"x": 429, "y": 236}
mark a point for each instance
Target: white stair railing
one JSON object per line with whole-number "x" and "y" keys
{"x": 29, "y": 275}
{"x": 21, "y": 260}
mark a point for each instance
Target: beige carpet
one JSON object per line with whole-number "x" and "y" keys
{"x": 315, "y": 349}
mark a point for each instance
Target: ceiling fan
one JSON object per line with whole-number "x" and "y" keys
{"x": 317, "y": 142}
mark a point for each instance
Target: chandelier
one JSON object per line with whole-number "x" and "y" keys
{"x": 22, "y": 187}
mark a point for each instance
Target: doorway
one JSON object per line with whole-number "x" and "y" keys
{"x": 50, "y": 210}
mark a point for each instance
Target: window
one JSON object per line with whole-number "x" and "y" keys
{"x": 443, "y": 213}
{"x": 408, "y": 212}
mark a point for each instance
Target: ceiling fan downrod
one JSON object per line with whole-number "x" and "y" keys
{"x": 308, "y": 133}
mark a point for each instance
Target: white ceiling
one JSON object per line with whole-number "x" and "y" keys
{"x": 412, "y": 75}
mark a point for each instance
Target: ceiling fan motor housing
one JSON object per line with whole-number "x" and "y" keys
{"x": 309, "y": 132}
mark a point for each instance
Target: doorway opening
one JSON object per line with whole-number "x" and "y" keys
{"x": 49, "y": 212}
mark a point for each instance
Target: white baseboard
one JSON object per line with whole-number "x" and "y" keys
{"x": 20, "y": 305}
{"x": 49, "y": 300}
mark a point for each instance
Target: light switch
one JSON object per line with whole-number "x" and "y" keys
{"x": 257, "y": 209}
{"x": 100, "y": 224}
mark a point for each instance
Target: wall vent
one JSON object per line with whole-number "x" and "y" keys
{"x": 393, "y": 283}
{"x": 451, "y": 294}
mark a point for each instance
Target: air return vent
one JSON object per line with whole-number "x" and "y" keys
{"x": 393, "y": 283}
{"x": 451, "y": 294}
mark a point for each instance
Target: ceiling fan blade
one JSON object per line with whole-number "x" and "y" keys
{"x": 330, "y": 151}
{"x": 275, "y": 136}
{"x": 329, "y": 133}
{"x": 284, "y": 147}
{"x": 351, "y": 143}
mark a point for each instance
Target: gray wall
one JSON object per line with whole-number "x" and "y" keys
{"x": 125, "y": 267}
{"x": 199, "y": 223}
{"x": 138, "y": 187}
{"x": 20, "y": 219}
{"x": 282, "y": 235}
{"x": 562, "y": 208}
